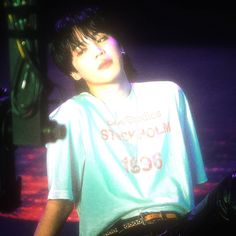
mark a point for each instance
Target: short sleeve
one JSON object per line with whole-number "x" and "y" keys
{"x": 63, "y": 157}
{"x": 191, "y": 140}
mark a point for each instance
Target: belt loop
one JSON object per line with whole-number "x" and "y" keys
{"x": 162, "y": 215}
{"x": 142, "y": 218}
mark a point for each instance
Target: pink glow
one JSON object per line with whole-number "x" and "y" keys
{"x": 30, "y": 165}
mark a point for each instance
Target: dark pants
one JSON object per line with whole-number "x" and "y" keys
{"x": 214, "y": 215}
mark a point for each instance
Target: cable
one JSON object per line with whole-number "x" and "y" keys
{"x": 27, "y": 87}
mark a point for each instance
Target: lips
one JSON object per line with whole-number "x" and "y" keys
{"x": 105, "y": 64}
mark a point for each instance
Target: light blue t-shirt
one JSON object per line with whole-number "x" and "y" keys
{"x": 119, "y": 160}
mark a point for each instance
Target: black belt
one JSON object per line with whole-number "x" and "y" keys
{"x": 141, "y": 220}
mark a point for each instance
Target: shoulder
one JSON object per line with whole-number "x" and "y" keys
{"x": 68, "y": 110}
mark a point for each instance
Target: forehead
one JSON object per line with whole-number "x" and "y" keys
{"x": 82, "y": 37}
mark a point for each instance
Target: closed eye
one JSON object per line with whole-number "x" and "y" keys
{"x": 80, "y": 50}
{"x": 102, "y": 39}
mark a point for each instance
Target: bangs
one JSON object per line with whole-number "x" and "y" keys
{"x": 74, "y": 29}
{"x": 84, "y": 26}
{"x": 79, "y": 35}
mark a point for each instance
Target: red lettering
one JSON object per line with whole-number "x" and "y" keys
{"x": 131, "y": 134}
{"x": 157, "y": 160}
{"x": 104, "y": 134}
{"x": 136, "y": 165}
{"x": 146, "y": 163}
{"x": 124, "y": 136}
{"x": 150, "y": 132}
{"x": 159, "y": 131}
{"x": 135, "y": 168}
{"x": 125, "y": 163}
{"x": 115, "y": 135}
{"x": 166, "y": 127}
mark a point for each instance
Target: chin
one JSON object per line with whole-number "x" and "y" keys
{"x": 110, "y": 75}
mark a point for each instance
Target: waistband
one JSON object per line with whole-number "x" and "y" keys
{"x": 143, "y": 219}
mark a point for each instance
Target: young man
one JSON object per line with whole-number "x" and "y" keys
{"x": 131, "y": 156}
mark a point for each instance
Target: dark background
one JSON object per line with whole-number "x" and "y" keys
{"x": 207, "y": 23}
{"x": 196, "y": 23}
{"x": 182, "y": 22}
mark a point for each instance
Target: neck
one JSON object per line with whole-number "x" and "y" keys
{"x": 112, "y": 92}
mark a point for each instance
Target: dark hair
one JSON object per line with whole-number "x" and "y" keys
{"x": 65, "y": 39}
{"x": 89, "y": 21}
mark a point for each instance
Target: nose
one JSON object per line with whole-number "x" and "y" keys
{"x": 98, "y": 50}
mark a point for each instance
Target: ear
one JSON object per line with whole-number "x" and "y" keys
{"x": 122, "y": 51}
{"x": 75, "y": 76}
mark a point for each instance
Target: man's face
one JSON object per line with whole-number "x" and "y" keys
{"x": 98, "y": 61}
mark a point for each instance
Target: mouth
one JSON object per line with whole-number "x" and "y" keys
{"x": 105, "y": 64}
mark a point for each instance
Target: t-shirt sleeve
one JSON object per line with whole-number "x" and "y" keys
{"x": 62, "y": 165}
{"x": 191, "y": 140}
{"x": 59, "y": 170}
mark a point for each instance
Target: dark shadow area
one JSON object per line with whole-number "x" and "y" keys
{"x": 13, "y": 227}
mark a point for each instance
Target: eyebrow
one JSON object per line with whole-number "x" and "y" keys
{"x": 78, "y": 38}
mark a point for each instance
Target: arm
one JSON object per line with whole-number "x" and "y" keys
{"x": 55, "y": 215}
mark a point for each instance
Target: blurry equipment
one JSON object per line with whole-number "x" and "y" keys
{"x": 28, "y": 74}
{"x": 27, "y": 56}
{"x": 24, "y": 110}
